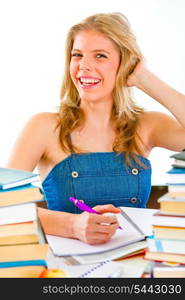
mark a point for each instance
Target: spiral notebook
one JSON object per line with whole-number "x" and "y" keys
{"x": 104, "y": 269}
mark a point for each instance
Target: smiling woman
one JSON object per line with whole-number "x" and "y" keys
{"x": 96, "y": 147}
{"x": 102, "y": 48}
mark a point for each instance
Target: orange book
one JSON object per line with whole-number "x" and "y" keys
{"x": 22, "y": 272}
{"x": 23, "y": 252}
{"x": 169, "y": 232}
{"x": 171, "y": 205}
{"x": 21, "y": 194}
{"x": 19, "y": 233}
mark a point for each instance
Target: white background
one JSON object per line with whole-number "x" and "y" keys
{"x": 32, "y": 36}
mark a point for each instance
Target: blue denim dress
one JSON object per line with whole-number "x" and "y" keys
{"x": 97, "y": 178}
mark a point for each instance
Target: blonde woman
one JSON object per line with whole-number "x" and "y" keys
{"x": 96, "y": 147}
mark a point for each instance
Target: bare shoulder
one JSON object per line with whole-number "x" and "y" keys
{"x": 151, "y": 116}
{"x": 154, "y": 120}
{"x": 33, "y": 140}
{"x": 44, "y": 120}
{"x": 163, "y": 130}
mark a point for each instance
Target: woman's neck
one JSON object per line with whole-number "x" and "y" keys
{"x": 98, "y": 115}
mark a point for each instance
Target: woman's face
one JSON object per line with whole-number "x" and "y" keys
{"x": 94, "y": 65}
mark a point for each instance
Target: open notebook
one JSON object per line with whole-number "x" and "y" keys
{"x": 130, "y": 234}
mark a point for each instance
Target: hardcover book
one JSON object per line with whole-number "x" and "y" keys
{"x": 13, "y": 177}
{"x": 21, "y": 194}
{"x": 172, "y": 205}
{"x": 168, "y": 270}
{"x": 165, "y": 250}
{"x": 19, "y": 233}
{"x": 167, "y": 219}
{"x": 169, "y": 232}
{"x": 176, "y": 175}
{"x": 179, "y": 155}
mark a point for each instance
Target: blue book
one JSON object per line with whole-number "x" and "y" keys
{"x": 176, "y": 171}
{"x": 13, "y": 177}
{"x": 176, "y": 176}
{"x": 21, "y": 263}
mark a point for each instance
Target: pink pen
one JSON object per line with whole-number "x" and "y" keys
{"x": 84, "y": 207}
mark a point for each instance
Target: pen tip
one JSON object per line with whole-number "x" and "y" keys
{"x": 71, "y": 199}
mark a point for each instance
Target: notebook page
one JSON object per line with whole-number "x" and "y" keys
{"x": 142, "y": 217}
{"x": 112, "y": 254}
{"x": 66, "y": 246}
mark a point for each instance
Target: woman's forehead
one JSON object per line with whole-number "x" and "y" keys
{"x": 93, "y": 39}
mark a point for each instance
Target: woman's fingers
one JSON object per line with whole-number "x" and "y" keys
{"x": 107, "y": 208}
{"x": 94, "y": 228}
{"x": 101, "y": 234}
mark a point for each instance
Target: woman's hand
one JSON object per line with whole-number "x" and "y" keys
{"x": 137, "y": 74}
{"x": 93, "y": 228}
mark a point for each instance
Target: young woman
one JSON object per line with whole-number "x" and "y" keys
{"x": 96, "y": 147}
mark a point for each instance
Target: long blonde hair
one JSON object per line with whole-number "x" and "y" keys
{"x": 125, "y": 112}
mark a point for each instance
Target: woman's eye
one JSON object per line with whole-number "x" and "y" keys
{"x": 100, "y": 55}
{"x": 76, "y": 55}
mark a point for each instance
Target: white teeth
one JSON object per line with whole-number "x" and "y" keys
{"x": 89, "y": 80}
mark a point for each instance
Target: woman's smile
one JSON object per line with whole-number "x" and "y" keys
{"x": 88, "y": 82}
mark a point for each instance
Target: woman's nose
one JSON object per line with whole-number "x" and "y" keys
{"x": 85, "y": 64}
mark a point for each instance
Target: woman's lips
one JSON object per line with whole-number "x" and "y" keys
{"x": 88, "y": 82}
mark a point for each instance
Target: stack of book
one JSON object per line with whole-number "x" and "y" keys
{"x": 23, "y": 250}
{"x": 167, "y": 245}
{"x": 176, "y": 182}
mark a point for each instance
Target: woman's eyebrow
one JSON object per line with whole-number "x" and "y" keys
{"x": 95, "y": 50}
{"x": 101, "y": 50}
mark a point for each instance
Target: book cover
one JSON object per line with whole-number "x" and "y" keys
{"x": 178, "y": 163}
{"x": 176, "y": 190}
{"x": 163, "y": 256}
{"x": 168, "y": 270}
{"x": 172, "y": 205}
{"x": 179, "y": 155}
{"x": 13, "y": 177}
{"x": 166, "y": 246}
{"x": 18, "y": 213}
{"x": 19, "y": 263}
{"x": 165, "y": 250}
{"x": 19, "y": 233}
{"x": 167, "y": 198}
{"x": 22, "y": 271}
{"x": 175, "y": 176}
{"x": 21, "y": 194}
{"x": 169, "y": 232}
{"x": 178, "y": 171}
{"x": 167, "y": 220}
{"x": 30, "y": 252}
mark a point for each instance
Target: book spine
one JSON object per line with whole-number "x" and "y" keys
{"x": 10, "y": 264}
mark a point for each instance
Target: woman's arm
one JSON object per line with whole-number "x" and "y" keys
{"x": 30, "y": 146}
{"x": 90, "y": 228}
{"x": 31, "y": 143}
{"x": 149, "y": 83}
{"x": 168, "y": 132}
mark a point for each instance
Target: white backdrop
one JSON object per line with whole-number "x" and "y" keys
{"x": 32, "y": 35}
